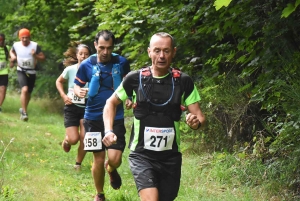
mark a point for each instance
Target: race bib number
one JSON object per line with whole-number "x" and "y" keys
{"x": 75, "y": 99}
{"x": 2, "y": 65}
{"x": 92, "y": 141}
{"x": 158, "y": 139}
{"x": 26, "y": 63}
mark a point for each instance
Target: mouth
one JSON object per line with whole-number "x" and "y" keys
{"x": 25, "y": 43}
{"x": 161, "y": 62}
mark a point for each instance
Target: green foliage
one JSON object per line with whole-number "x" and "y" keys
{"x": 37, "y": 168}
{"x": 243, "y": 55}
{"x": 7, "y": 193}
{"x": 290, "y": 8}
{"x": 220, "y": 3}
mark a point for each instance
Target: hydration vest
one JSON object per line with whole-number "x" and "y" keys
{"x": 116, "y": 74}
{"x": 158, "y": 96}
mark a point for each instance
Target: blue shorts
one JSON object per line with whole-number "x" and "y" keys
{"x": 163, "y": 174}
{"x": 119, "y": 131}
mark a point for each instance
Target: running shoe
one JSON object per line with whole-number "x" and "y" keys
{"x": 24, "y": 116}
{"x": 77, "y": 167}
{"x": 99, "y": 197}
{"x": 65, "y": 145}
{"x": 114, "y": 177}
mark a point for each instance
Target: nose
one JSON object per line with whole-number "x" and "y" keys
{"x": 161, "y": 54}
{"x": 105, "y": 51}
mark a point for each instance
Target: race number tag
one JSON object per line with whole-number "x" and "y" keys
{"x": 92, "y": 141}
{"x": 158, "y": 139}
{"x": 26, "y": 63}
{"x": 2, "y": 65}
{"x": 75, "y": 99}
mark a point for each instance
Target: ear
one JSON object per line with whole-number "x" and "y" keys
{"x": 149, "y": 52}
{"x": 174, "y": 52}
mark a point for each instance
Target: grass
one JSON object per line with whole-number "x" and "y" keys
{"x": 34, "y": 167}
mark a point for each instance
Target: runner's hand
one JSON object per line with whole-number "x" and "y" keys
{"x": 82, "y": 92}
{"x": 109, "y": 139}
{"x": 192, "y": 120}
{"x": 128, "y": 104}
{"x": 67, "y": 100}
{"x": 33, "y": 52}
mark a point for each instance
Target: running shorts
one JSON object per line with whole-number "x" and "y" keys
{"x": 72, "y": 115}
{"x": 163, "y": 174}
{"x": 4, "y": 80}
{"x": 26, "y": 79}
{"x": 118, "y": 128}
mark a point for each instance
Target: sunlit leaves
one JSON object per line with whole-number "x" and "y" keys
{"x": 220, "y": 3}
{"x": 290, "y": 8}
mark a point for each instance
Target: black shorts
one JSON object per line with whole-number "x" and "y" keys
{"x": 3, "y": 80}
{"x": 72, "y": 115}
{"x": 119, "y": 131}
{"x": 149, "y": 172}
{"x": 26, "y": 79}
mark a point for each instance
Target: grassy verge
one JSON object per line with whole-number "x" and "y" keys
{"x": 34, "y": 166}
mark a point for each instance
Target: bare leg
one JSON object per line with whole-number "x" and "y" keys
{"x": 2, "y": 94}
{"x": 72, "y": 135}
{"x": 111, "y": 165}
{"x": 98, "y": 170}
{"x": 114, "y": 159}
{"x": 81, "y": 153}
{"x": 25, "y": 98}
{"x": 149, "y": 194}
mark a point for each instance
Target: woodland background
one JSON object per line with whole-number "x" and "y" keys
{"x": 244, "y": 56}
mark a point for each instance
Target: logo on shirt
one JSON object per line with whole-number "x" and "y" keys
{"x": 159, "y": 130}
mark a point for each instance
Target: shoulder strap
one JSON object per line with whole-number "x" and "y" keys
{"x": 117, "y": 72}
{"x": 116, "y": 63}
{"x": 145, "y": 71}
{"x": 176, "y": 73}
{"x": 115, "y": 58}
{"x": 93, "y": 59}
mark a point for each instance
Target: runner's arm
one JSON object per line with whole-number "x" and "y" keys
{"x": 13, "y": 56}
{"x": 40, "y": 56}
{"x": 195, "y": 118}
{"x": 60, "y": 88}
{"x": 109, "y": 111}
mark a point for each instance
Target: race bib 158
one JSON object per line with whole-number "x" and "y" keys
{"x": 92, "y": 141}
